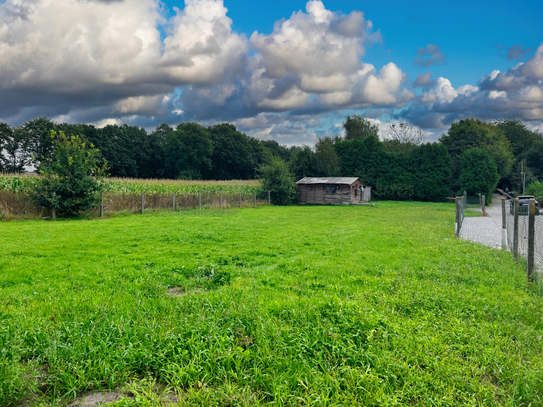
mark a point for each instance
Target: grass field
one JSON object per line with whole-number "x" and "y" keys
{"x": 282, "y": 306}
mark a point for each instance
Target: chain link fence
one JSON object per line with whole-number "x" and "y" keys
{"x": 524, "y": 231}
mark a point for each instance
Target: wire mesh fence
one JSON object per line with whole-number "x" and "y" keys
{"x": 21, "y": 205}
{"x": 524, "y": 228}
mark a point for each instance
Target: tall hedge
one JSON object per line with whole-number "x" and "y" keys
{"x": 422, "y": 175}
{"x": 478, "y": 173}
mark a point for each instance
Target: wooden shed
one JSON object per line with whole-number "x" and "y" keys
{"x": 331, "y": 191}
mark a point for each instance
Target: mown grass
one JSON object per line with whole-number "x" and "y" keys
{"x": 373, "y": 306}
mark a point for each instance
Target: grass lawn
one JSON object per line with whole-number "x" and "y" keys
{"x": 371, "y": 306}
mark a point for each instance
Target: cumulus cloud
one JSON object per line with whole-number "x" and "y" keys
{"x": 430, "y": 55}
{"x": 61, "y": 56}
{"x": 424, "y": 80}
{"x": 515, "y": 52}
{"x": 311, "y": 63}
{"x": 516, "y": 93}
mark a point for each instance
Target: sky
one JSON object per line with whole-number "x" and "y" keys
{"x": 290, "y": 71}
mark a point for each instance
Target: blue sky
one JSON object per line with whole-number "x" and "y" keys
{"x": 285, "y": 70}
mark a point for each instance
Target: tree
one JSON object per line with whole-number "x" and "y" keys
{"x": 327, "y": 159}
{"x": 157, "y": 144}
{"x": 13, "y": 149}
{"x": 402, "y": 137}
{"x": 474, "y": 133}
{"x": 232, "y": 155}
{"x": 188, "y": 152}
{"x": 35, "y": 135}
{"x": 358, "y": 128}
{"x": 534, "y": 159}
{"x": 70, "y": 176}
{"x": 304, "y": 163}
{"x": 277, "y": 150}
{"x": 277, "y": 178}
{"x": 478, "y": 173}
{"x": 520, "y": 138}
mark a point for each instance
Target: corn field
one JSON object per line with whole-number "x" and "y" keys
{"x": 125, "y": 195}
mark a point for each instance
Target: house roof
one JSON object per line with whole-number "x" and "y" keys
{"x": 327, "y": 180}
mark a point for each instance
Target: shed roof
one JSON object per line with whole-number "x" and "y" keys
{"x": 327, "y": 180}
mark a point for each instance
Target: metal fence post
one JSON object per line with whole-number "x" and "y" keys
{"x": 483, "y": 202}
{"x": 200, "y": 200}
{"x": 504, "y": 226}
{"x": 269, "y": 198}
{"x": 221, "y": 200}
{"x": 240, "y": 198}
{"x": 142, "y": 201}
{"x": 457, "y": 220}
{"x": 255, "y": 199}
{"x": 101, "y": 204}
{"x": 531, "y": 240}
{"x": 515, "y": 231}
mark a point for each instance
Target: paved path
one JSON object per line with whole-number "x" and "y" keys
{"x": 485, "y": 230}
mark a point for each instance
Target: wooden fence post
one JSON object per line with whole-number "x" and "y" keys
{"x": 515, "y": 231}
{"x": 269, "y": 198}
{"x": 142, "y": 202}
{"x": 53, "y": 211}
{"x": 173, "y": 199}
{"x": 101, "y": 204}
{"x": 240, "y": 198}
{"x": 531, "y": 241}
{"x": 255, "y": 199}
{"x": 221, "y": 200}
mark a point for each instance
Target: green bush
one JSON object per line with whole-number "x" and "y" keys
{"x": 70, "y": 178}
{"x": 277, "y": 178}
{"x": 535, "y": 189}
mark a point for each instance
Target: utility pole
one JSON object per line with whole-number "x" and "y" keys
{"x": 523, "y": 176}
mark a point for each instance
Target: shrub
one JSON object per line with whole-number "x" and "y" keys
{"x": 277, "y": 178}
{"x": 535, "y": 189}
{"x": 70, "y": 181}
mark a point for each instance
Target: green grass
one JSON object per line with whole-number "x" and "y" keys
{"x": 372, "y": 306}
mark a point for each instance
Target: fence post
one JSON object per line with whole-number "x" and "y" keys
{"x": 173, "y": 199}
{"x": 483, "y": 201}
{"x": 504, "y": 226}
{"x": 142, "y": 202}
{"x": 240, "y": 198}
{"x": 221, "y": 200}
{"x": 515, "y": 231}
{"x": 255, "y": 199}
{"x": 531, "y": 240}
{"x": 269, "y": 198}
{"x": 101, "y": 204}
{"x": 457, "y": 220}
{"x": 199, "y": 200}
{"x": 53, "y": 211}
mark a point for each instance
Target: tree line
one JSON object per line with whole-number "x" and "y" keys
{"x": 473, "y": 155}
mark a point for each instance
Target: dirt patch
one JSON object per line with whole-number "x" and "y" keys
{"x": 180, "y": 291}
{"x": 94, "y": 399}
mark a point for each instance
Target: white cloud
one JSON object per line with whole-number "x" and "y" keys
{"x": 515, "y": 94}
